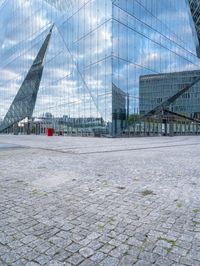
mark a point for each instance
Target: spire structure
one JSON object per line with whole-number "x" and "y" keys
{"x": 24, "y": 101}
{"x": 195, "y": 11}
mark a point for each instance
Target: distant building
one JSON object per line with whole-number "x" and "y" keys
{"x": 155, "y": 89}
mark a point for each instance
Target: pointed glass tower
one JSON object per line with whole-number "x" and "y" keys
{"x": 24, "y": 102}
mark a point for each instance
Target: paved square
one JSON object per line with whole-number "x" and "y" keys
{"x": 96, "y": 201}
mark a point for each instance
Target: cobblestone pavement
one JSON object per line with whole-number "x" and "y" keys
{"x": 95, "y": 201}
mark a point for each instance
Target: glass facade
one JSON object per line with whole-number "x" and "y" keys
{"x": 195, "y": 11}
{"x": 98, "y": 51}
{"x": 156, "y": 89}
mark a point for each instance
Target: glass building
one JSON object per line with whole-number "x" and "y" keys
{"x": 156, "y": 89}
{"x": 96, "y": 56}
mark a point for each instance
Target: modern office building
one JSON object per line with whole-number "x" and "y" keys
{"x": 97, "y": 52}
{"x": 156, "y": 89}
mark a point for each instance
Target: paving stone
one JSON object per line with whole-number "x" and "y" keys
{"x": 134, "y": 242}
{"x": 179, "y": 251}
{"x": 86, "y": 252}
{"x": 23, "y": 250}
{"x": 53, "y": 250}
{"x": 98, "y": 256}
{"x": 85, "y": 242}
{"x": 87, "y": 262}
{"x": 4, "y": 249}
{"x": 57, "y": 263}
{"x": 114, "y": 242}
{"x": 142, "y": 263}
{"x": 109, "y": 261}
{"x": 127, "y": 260}
{"x": 43, "y": 247}
{"x": 28, "y": 239}
{"x": 95, "y": 245}
{"x": 184, "y": 244}
{"x": 10, "y": 257}
{"x": 15, "y": 244}
{"x": 5, "y": 239}
{"x": 174, "y": 257}
{"x": 104, "y": 239}
{"x": 188, "y": 261}
{"x": 73, "y": 247}
{"x": 78, "y": 238}
{"x": 160, "y": 251}
{"x": 163, "y": 261}
{"x": 43, "y": 259}
{"x": 20, "y": 262}
{"x": 93, "y": 220}
{"x": 194, "y": 254}
{"x": 67, "y": 226}
{"x": 119, "y": 251}
{"x": 75, "y": 259}
{"x": 60, "y": 242}
{"x": 31, "y": 263}
{"x": 106, "y": 248}
{"x": 134, "y": 252}
{"x": 187, "y": 237}
{"x": 62, "y": 255}
{"x": 31, "y": 255}
{"x": 121, "y": 237}
{"x": 148, "y": 256}
{"x": 93, "y": 236}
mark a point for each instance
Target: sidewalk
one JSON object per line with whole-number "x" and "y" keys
{"x": 96, "y": 201}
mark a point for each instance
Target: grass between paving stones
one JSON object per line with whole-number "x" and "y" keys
{"x": 196, "y": 223}
{"x": 105, "y": 183}
{"x": 101, "y": 226}
{"x": 169, "y": 241}
{"x": 147, "y": 192}
{"x": 196, "y": 210}
{"x": 179, "y": 205}
{"x": 36, "y": 192}
{"x": 141, "y": 248}
{"x": 21, "y": 182}
{"x": 112, "y": 221}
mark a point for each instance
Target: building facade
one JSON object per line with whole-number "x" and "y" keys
{"x": 98, "y": 51}
{"x": 156, "y": 89}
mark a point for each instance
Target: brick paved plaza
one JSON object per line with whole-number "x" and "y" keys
{"x": 96, "y": 201}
